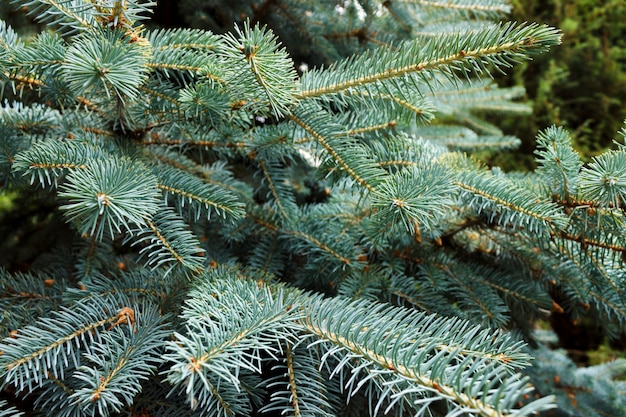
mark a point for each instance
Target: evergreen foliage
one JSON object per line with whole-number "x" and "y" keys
{"x": 242, "y": 239}
{"x": 582, "y": 84}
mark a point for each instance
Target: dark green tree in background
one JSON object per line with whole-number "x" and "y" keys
{"x": 287, "y": 216}
{"x": 581, "y": 85}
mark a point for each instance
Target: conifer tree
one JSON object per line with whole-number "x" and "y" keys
{"x": 241, "y": 235}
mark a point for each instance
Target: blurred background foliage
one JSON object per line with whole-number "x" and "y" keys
{"x": 580, "y": 85}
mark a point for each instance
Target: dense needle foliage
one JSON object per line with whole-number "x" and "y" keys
{"x": 232, "y": 233}
{"x": 582, "y": 84}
